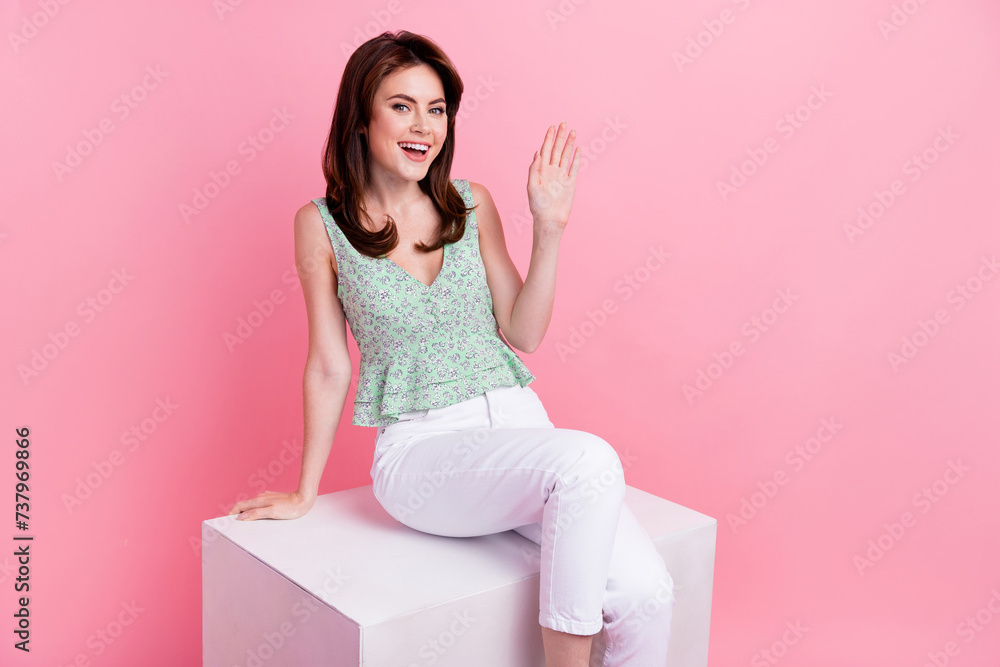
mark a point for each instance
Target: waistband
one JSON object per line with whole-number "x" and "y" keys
{"x": 485, "y": 410}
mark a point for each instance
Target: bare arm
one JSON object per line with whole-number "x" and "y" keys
{"x": 524, "y": 310}
{"x": 327, "y": 374}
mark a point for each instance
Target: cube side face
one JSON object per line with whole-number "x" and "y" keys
{"x": 254, "y": 615}
{"x": 494, "y": 628}
{"x": 690, "y": 559}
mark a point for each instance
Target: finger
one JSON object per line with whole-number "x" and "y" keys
{"x": 560, "y": 142}
{"x": 259, "y": 501}
{"x": 575, "y": 167}
{"x": 546, "y": 152}
{"x": 262, "y": 511}
{"x": 249, "y": 515}
{"x": 567, "y": 155}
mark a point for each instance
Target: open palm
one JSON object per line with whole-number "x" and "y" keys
{"x": 552, "y": 177}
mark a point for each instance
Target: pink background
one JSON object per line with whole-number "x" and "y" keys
{"x": 661, "y": 136}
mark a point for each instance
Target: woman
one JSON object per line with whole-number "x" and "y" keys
{"x": 417, "y": 264}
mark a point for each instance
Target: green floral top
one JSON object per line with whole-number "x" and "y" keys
{"x": 421, "y": 346}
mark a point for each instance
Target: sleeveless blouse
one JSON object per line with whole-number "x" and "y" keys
{"x": 421, "y": 346}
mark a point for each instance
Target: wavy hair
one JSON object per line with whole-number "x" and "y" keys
{"x": 346, "y": 156}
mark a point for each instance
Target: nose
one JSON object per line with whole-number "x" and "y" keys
{"x": 420, "y": 121}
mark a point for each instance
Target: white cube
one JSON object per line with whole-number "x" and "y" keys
{"x": 349, "y": 585}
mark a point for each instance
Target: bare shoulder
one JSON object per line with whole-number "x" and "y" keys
{"x": 487, "y": 216}
{"x": 308, "y": 214}
{"x": 312, "y": 243}
{"x": 479, "y": 193}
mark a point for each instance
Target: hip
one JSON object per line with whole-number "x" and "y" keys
{"x": 504, "y": 407}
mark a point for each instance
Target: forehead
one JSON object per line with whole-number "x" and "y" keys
{"x": 420, "y": 81}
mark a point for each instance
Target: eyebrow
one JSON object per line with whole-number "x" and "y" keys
{"x": 413, "y": 101}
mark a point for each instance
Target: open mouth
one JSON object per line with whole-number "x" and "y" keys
{"x": 414, "y": 149}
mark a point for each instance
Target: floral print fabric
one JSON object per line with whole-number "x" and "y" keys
{"x": 421, "y": 346}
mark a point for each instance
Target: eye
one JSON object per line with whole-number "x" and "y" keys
{"x": 441, "y": 111}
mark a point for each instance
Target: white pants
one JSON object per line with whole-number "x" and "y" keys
{"x": 494, "y": 463}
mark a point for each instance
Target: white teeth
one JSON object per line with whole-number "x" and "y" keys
{"x": 419, "y": 147}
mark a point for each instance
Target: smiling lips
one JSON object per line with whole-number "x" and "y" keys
{"x": 414, "y": 151}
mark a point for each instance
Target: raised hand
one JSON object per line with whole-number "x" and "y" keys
{"x": 552, "y": 178}
{"x": 272, "y": 505}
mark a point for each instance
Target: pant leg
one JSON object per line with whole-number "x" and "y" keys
{"x": 638, "y": 601}
{"x": 479, "y": 467}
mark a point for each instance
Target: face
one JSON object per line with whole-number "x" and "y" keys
{"x": 409, "y": 108}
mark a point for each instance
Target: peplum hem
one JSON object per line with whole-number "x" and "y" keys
{"x": 437, "y": 394}
{"x": 436, "y": 360}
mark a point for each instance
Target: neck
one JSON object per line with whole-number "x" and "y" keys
{"x": 392, "y": 194}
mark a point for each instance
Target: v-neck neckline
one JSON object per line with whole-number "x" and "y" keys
{"x": 444, "y": 263}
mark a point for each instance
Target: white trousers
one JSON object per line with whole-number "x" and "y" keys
{"x": 494, "y": 463}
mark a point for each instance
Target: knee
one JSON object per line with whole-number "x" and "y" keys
{"x": 596, "y": 461}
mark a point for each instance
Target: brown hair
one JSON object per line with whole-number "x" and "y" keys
{"x": 346, "y": 156}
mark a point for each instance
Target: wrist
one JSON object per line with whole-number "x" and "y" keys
{"x": 547, "y": 228}
{"x": 307, "y": 497}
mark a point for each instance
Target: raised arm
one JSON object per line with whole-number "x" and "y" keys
{"x": 523, "y": 310}
{"x": 327, "y": 374}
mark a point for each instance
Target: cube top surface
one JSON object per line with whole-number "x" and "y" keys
{"x": 348, "y": 552}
